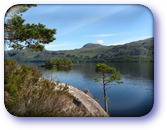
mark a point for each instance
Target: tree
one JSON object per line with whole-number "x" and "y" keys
{"x": 60, "y": 62}
{"x": 107, "y": 75}
{"x": 19, "y": 35}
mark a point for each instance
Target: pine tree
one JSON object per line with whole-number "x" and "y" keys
{"x": 106, "y": 75}
{"x": 19, "y": 35}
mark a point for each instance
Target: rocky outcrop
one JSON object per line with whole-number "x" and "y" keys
{"x": 82, "y": 100}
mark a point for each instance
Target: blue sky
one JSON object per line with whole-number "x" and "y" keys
{"x": 80, "y": 24}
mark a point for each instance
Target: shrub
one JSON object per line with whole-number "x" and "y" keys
{"x": 28, "y": 95}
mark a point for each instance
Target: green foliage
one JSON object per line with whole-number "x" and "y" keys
{"x": 11, "y": 88}
{"x": 107, "y": 74}
{"x": 19, "y": 35}
{"x": 18, "y": 76}
{"x": 60, "y": 62}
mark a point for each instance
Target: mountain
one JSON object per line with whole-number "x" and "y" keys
{"x": 92, "y": 45}
{"x": 137, "y": 51}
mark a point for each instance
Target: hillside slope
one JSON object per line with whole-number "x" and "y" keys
{"x": 137, "y": 51}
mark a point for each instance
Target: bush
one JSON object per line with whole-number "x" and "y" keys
{"x": 27, "y": 95}
{"x": 18, "y": 76}
{"x": 61, "y": 62}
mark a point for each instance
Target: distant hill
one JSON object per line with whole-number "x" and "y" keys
{"x": 91, "y": 45}
{"x": 137, "y": 51}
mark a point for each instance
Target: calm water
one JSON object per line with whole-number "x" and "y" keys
{"x": 132, "y": 98}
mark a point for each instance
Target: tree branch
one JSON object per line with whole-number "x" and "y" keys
{"x": 9, "y": 38}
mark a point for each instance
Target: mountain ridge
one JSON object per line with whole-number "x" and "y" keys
{"x": 137, "y": 51}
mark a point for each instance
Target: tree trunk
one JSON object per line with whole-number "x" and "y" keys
{"x": 8, "y": 38}
{"x": 105, "y": 100}
{"x": 105, "y": 95}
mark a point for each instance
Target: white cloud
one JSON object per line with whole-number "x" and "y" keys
{"x": 103, "y": 35}
{"x": 100, "y": 41}
{"x": 65, "y": 45}
{"x": 55, "y": 45}
{"x": 110, "y": 34}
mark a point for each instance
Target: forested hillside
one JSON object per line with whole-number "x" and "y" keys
{"x": 138, "y": 51}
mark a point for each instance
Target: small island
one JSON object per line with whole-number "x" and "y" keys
{"x": 58, "y": 63}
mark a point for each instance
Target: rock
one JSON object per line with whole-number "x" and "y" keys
{"x": 80, "y": 99}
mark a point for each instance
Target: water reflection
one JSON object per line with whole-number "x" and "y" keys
{"x": 54, "y": 69}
